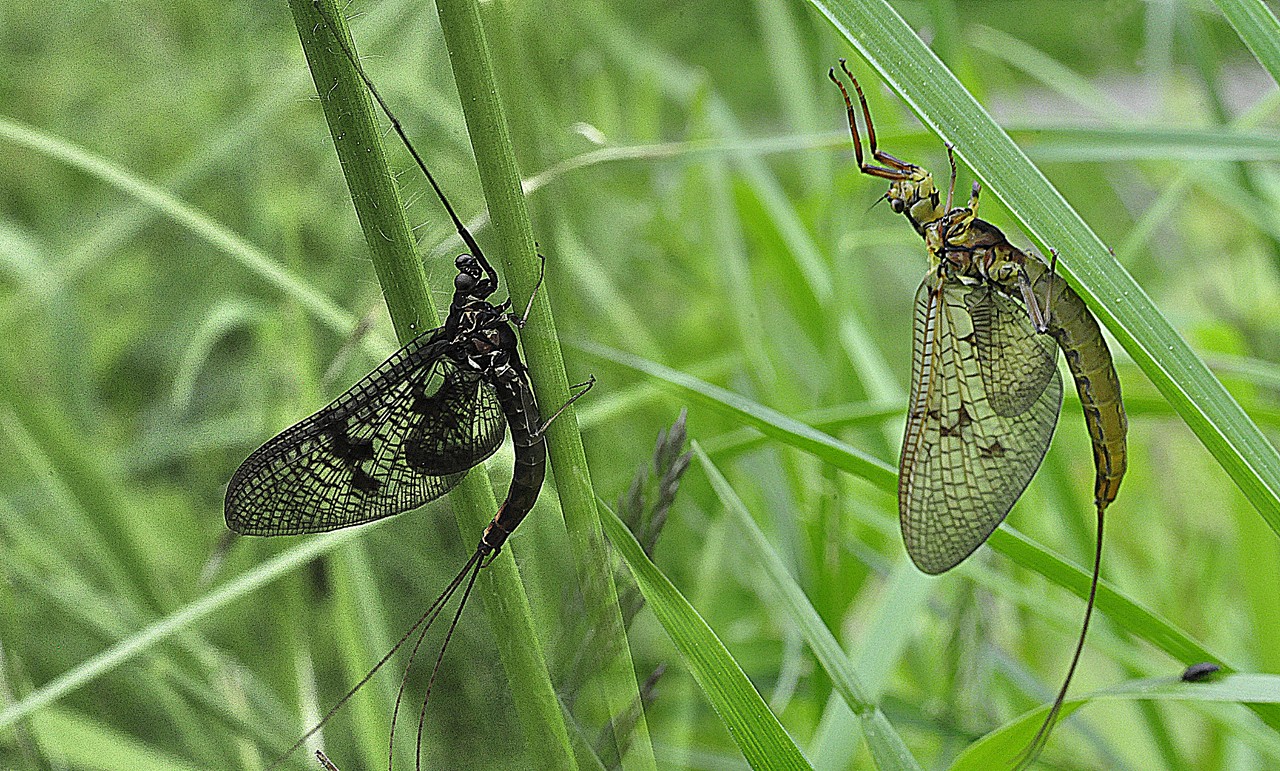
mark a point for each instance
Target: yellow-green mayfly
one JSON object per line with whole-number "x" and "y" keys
{"x": 985, "y": 388}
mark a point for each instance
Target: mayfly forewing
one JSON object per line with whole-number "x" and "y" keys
{"x": 963, "y": 464}
{"x": 361, "y": 457}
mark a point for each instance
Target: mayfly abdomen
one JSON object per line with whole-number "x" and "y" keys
{"x": 1078, "y": 335}
{"x": 530, "y": 465}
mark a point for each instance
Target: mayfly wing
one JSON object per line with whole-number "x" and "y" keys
{"x": 1016, "y": 367}
{"x": 963, "y": 463}
{"x": 404, "y": 435}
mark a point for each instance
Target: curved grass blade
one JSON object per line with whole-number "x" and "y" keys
{"x": 1002, "y": 746}
{"x": 886, "y": 746}
{"x": 757, "y": 732}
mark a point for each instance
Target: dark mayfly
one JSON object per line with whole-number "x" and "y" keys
{"x": 985, "y": 389}
{"x": 409, "y": 431}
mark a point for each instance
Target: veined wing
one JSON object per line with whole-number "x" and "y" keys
{"x": 404, "y": 435}
{"x": 963, "y": 464}
{"x": 1016, "y": 367}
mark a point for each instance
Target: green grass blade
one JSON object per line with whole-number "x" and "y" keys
{"x": 768, "y": 421}
{"x": 357, "y": 138}
{"x": 757, "y": 732}
{"x": 1001, "y": 747}
{"x": 886, "y": 746}
{"x": 500, "y": 178}
{"x": 1257, "y": 26}
{"x": 911, "y": 69}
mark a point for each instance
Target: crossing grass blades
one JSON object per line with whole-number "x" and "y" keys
{"x": 985, "y": 388}
{"x": 406, "y": 434}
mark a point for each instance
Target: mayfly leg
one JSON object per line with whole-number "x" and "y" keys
{"x": 951, "y": 186}
{"x": 586, "y": 385}
{"x": 1039, "y": 315}
{"x": 542, "y": 274}
{"x": 893, "y": 168}
{"x": 520, "y": 321}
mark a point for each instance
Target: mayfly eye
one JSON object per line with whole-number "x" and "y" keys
{"x": 898, "y": 205}
{"x": 464, "y": 283}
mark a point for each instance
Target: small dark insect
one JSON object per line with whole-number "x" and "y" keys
{"x": 1202, "y": 671}
{"x": 985, "y": 388}
{"x": 408, "y": 432}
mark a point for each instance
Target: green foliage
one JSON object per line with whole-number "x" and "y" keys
{"x": 183, "y": 275}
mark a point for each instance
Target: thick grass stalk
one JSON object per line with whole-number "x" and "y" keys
{"x": 357, "y": 138}
{"x": 500, "y": 178}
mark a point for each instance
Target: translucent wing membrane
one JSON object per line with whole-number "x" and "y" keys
{"x": 964, "y": 460}
{"x": 402, "y": 436}
{"x": 1016, "y": 366}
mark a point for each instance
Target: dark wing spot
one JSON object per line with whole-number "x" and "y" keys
{"x": 962, "y": 421}
{"x": 363, "y": 481}
{"x": 344, "y": 447}
{"x": 996, "y": 450}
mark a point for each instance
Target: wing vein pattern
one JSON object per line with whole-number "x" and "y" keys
{"x": 404, "y": 435}
{"x": 985, "y": 397}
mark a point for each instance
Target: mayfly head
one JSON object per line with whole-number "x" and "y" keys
{"x": 474, "y": 278}
{"x": 915, "y": 196}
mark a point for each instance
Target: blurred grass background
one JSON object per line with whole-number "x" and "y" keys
{"x": 693, "y": 190}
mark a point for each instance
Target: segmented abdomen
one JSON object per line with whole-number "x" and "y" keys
{"x": 524, "y": 420}
{"x": 1073, "y": 326}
